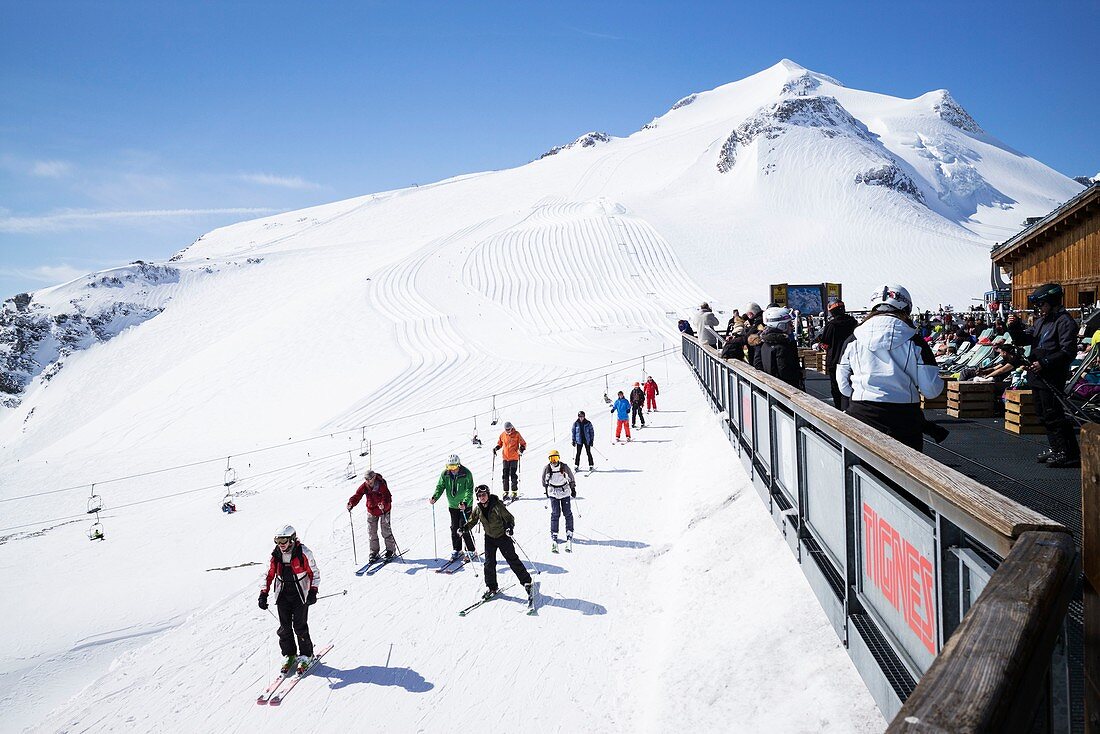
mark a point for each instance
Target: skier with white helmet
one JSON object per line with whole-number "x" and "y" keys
{"x": 293, "y": 576}
{"x": 886, "y": 367}
{"x": 560, "y": 486}
{"x": 777, "y": 354}
{"x": 457, "y": 481}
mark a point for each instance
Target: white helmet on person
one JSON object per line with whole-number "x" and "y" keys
{"x": 778, "y": 317}
{"x": 890, "y": 298}
{"x": 453, "y": 460}
{"x": 286, "y": 531}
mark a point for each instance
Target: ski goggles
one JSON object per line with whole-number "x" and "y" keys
{"x": 282, "y": 539}
{"x": 483, "y": 493}
{"x": 452, "y": 467}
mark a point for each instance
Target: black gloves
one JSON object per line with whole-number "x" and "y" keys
{"x": 262, "y": 601}
{"x": 508, "y": 531}
{"x": 311, "y": 597}
{"x": 573, "y": 492}
{"x": 546, "y": 490}
{"x": 496, "y": 449}
{"x": 574, "y": 444}
{"x": 522, "y": 449}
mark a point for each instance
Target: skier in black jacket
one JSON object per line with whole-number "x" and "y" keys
{"x": 778, "y": 354}
{"x": 1053, "y": 341}
{"x": 837, "y": 330}
{"x": 637, "y": 402}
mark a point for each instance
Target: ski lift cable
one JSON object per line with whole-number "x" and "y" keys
{"x": 289, "y": 467}
{"x": 624, "y": 366}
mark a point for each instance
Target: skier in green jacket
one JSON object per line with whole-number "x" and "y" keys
{"x": 457, "y": 481}
{"x": 497, "y": 523}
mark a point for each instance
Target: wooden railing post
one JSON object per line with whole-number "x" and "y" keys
{"x": 1090, "y": 560}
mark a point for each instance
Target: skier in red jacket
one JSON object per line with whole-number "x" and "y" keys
{"x": 651, "y": 393}
{"x": 293, "y": 575}
{"x": 378, "y": 504}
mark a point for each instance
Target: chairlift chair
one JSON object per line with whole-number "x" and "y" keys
{"x": 95, "y": 532}
{"x": 349, "y": 471}
{"x": 606, "y": 389}
{"x": 230, "y": 476}
{"x": 475, "y": 440}
{"x": 364, "y": 444}
{"x": 496, "y": 415}
{"x": 228, "y": 505}
{"x": 95, "y": 504}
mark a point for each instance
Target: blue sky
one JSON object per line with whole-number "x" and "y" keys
{"x": 127, "y": 129}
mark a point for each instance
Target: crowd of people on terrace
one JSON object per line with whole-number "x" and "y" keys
{"x": 882, "y": 364}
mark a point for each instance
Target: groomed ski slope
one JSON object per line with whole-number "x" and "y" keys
{"x": 396, "y": 317}
{"x": 679, "y": 609}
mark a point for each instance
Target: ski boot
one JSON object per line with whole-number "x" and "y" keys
{"x": 388, "y": 555}
{"x": 489, "y": 594}
{"x": 1062, "y": 460}
{"x": 373, "y": 558}
{"x": 456, "y": 556}
{"x": 554, "y": 547}
{"x": 1044, "y": 455}
{"x": 529, "y": 587}
{"x": 289, "y": 664}
{"x": 303, "y": 663}
{"x": 569, "y": 543}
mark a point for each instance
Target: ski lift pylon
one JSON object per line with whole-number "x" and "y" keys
{"x": 230, "y": 476}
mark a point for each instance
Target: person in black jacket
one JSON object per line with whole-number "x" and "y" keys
{"x": 1053, "y": 341}
{"x": 637, "y": 402}
{"x": 778, "y": 354}
{"x": 734, "y": 348}
{"x": 837, "y": 330}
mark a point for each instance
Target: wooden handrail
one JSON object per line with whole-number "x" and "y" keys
{"x": 999, "y": 514}
{"x": 990, "y": 675}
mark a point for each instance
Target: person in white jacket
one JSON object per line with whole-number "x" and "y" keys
{"x": 886, "y": 367}
{"x": 705, "y": 321}
{"x": 560, "y": 486}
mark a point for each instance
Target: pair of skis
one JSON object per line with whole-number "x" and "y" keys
{"x": 531, "y": 609}
{"x": 452, "y": 565}
{"x": 275, "y": 692}
{"x": 373, "y": 567}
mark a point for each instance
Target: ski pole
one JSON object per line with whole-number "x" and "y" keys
{"x": 493, "y": 473}
{"x": 472, "y": 553}
{"x": 435, "y": 534}
{"x": 354, "y": 552}
{"x": 335, "y": 593}
{"x": 533, "y": 565}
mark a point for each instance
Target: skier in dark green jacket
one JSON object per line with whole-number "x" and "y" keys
{"x": 457, "y": 481}
{"x": 497, "y": 523}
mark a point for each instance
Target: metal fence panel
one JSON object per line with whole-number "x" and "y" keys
{"x": 823, "y": 472}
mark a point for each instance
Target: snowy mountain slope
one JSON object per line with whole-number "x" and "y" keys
{"x": 281, "y": 343}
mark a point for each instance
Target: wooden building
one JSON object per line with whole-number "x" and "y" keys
{"x": 1062, "y": 247}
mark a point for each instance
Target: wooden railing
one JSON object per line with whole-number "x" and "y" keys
{"x": 948, "y": 596}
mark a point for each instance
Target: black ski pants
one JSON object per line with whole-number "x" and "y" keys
{"x": 508, "y": 550}
{"x": 636, "y": 413}
{"x": 293, "y": 623}
{"x": 586, "y": 447}
{"x": 511, "y": 475}
{"x": 901, "y": 421}
{"x": 459, "y": 533}
{"x": 1052, "y": 413}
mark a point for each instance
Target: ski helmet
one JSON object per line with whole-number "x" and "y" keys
{"x": 890, "y": 298}
{"x": 370, "y": 475}
{"x": 286, "y": 531}
{"x": 508, "y": 425}
{"x": 1051, "y": 293}
{"x": 453, "y": 460}
{"x": 554, "y": 455}
{"x": 778, "y": 317}
{"x": 481, "y": 489}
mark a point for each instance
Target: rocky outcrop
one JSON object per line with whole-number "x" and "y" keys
{"x": 587, "y": 140}
{"x": 953, "y": 113}
{"x": 824, "y": 114}
{"x": 892, "y": 177}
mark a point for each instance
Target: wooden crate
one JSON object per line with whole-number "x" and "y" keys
{"x": 974, "y": 400}
{"x": 937, "y": 403}
{"x": 1020, "y": 417}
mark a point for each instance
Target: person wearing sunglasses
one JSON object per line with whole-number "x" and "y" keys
{"x": 293, "y": 576}
{"x": 498, "y": 524}
{"x": 458, "y": 484}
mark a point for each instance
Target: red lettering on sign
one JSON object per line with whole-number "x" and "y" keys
{"x": 903, "y": 576}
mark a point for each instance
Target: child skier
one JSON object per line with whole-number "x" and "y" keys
{"x": 498, "y": 524}
{"x": 560, "y": 486}
{"x": 295, "y": 576}
{"x": 621, "y": 409}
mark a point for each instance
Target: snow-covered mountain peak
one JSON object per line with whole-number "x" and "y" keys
{"x": 951, "y": 112}
{"x": 588, "y": 140}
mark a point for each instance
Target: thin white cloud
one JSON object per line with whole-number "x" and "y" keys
{"x": 82, "y": 219}
{"x": 45, "y": 273}
{"x": 286, "y": 182}
{"x": 51, "y": 169}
